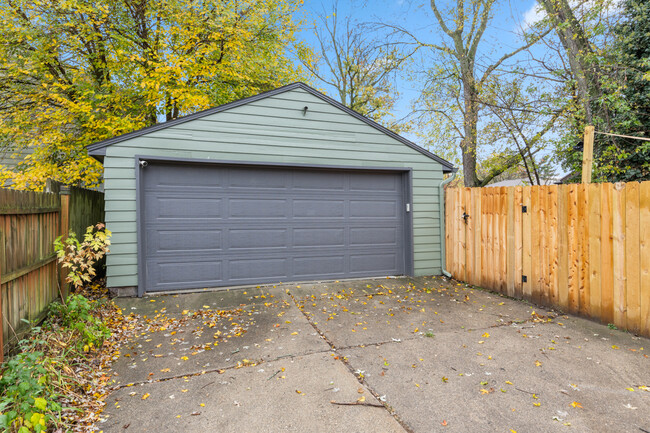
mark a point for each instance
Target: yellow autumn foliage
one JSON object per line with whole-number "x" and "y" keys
{"x": 75, "y": 72}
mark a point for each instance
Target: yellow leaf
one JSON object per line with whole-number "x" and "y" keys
{"x": 576, "y": 404}
{"x": 486, "y": 335}
{"x": 146, "y": 396}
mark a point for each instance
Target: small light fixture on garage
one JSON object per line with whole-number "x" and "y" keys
{"x": 304, "y": 110}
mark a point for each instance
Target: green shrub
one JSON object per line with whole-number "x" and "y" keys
{"x": 23, "y": 389}
{"x": 76, "y": 314}
{"x": 80, "y": 257}
{"x": 31, "y": 382}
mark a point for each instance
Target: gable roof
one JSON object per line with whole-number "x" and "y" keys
{"x": 98, "y": 150}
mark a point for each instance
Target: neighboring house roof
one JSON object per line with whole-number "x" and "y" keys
{"x": 520, "y": 182}
{"x": 98, "y": 150}
{"x": 10, "y": 158}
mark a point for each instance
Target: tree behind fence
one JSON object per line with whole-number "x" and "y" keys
{"x": 584, "y": 249}
{"x": 29, "y": 224}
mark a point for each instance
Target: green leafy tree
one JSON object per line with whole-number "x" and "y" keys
{"x": 76, "y": 72}
{"x": 629, "y": 159}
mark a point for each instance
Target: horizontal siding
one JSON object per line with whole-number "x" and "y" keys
{"x": 272, "y": 130}
{"x": 280, "y": 153}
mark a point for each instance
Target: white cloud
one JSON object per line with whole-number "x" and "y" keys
{"x": 536, "y": 12}
{"x": 533, "y": 15}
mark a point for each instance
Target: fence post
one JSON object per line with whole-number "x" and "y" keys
{"x": 588, "y": 154}
{"x": 2, "y": 319}
{"x": 64, "y": 230}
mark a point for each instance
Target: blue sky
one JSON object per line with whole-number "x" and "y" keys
{"x": 416, "y": 16}
{"x": 509, "y": 17}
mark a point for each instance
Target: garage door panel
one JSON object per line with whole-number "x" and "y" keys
{"x": 374, "y": 208}
{"x": 373, "y": 262}
{"x": 258, "y": 208}
{"x": 178, "y": 275}
{"x": 184, "y": 207}
{"x": 319, "y": 237}
{"x": 183, "y": 240}
{"x": 374, "y": 182}
{"x": 253, "y": 239}
{"x": 260, "y": 180}
{"x": 176, "y": 177}
{"x": 318, "y": 181}
{"x": 323, "y": 208}
{"x": 265, "y": 225}
{"x": 307, "y": 267}
{"x": 251, "y": 269}
{"x": 364, "y": 236}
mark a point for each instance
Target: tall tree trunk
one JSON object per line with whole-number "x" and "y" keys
{"x": 577, "y": 47}
{"x": 469, "y": 142}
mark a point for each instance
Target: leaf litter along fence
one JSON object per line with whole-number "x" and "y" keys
{"x": 29, "y": 224}
{"x": 584, "y": 249}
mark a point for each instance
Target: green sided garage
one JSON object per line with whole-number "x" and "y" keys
{"x": 288, "y": 185}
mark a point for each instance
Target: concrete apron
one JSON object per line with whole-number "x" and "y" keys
{"x": 377, "y": 355}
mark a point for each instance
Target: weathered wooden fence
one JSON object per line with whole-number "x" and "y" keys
{"x": 584, "y": 249}
{"x": 29, "y": 224}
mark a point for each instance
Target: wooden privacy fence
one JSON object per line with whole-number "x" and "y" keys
{"x": 584, "y": 249}
{"x": 29, "y": 224}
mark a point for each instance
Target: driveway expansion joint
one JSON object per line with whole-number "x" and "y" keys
{"x": 407, "y": 428}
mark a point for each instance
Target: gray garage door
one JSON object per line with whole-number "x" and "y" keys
{"x": 214, "y": 225}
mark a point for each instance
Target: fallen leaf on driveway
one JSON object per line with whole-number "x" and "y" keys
{"x": 576, "y": 404}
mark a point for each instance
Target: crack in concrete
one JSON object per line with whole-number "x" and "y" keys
{"x": 219, "y": 370}
{"x": 407, "y": 428}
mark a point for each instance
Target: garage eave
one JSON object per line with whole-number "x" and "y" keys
{"x": 98, "y": 150}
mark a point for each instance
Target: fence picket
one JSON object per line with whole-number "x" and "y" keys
{"x": 510, "y": 246}
{"x": 632, "y": 259}
{"x": 595, "y": 260}
{"x": 563, "y": 247}
{"x": 618, "y": 253}
{"x": 583, "y": 248}
{"x": 644, "y": 254}
{"x": 607, "y": 264}
{"x": 518, "y": 241}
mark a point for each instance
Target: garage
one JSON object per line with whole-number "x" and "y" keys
{"x": 288, "y": 185}
{"x": 212, "y": 225}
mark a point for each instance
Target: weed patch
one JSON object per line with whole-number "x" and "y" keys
{"x": 59, "y": 381}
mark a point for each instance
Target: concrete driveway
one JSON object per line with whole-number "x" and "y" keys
{"x": 383, "y": 355}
